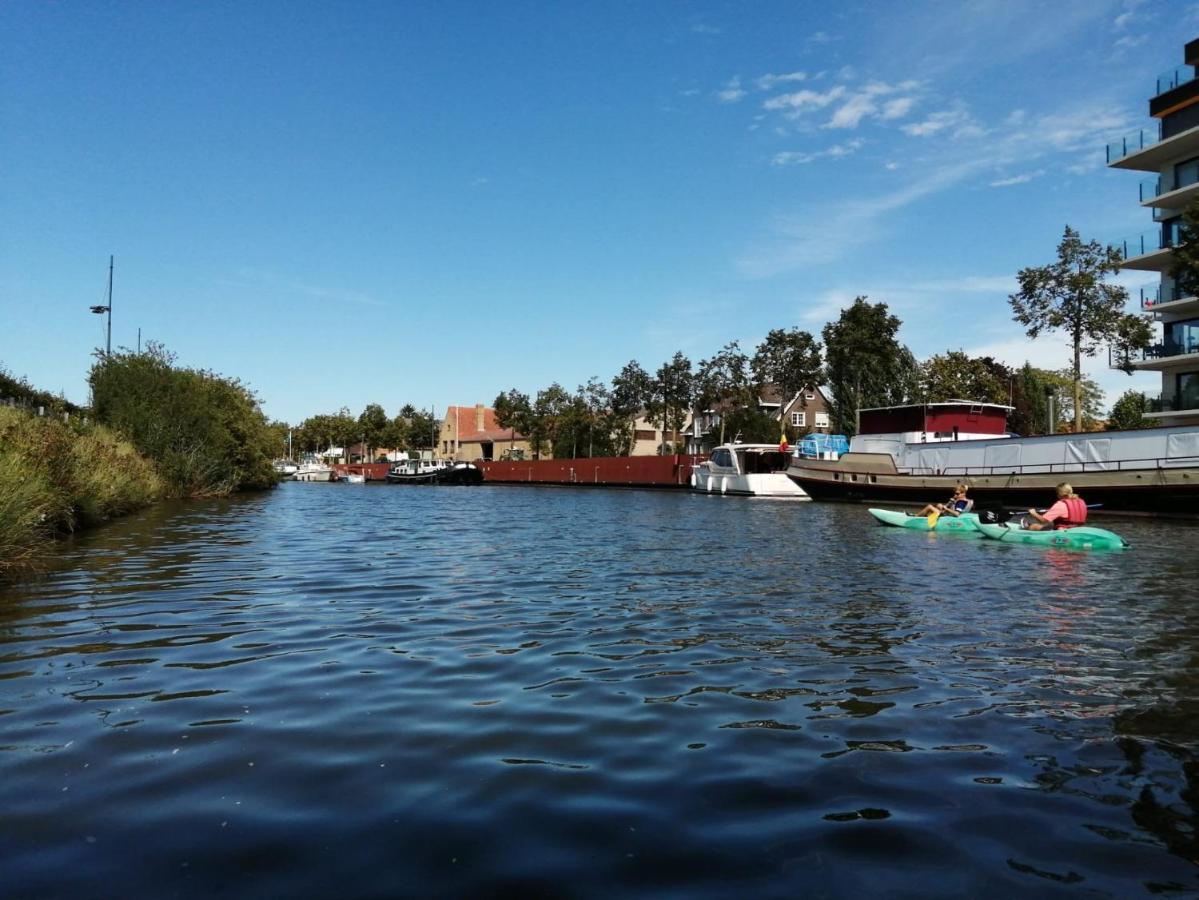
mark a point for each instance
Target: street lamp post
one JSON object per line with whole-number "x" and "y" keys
{"x": 102, "y": 310}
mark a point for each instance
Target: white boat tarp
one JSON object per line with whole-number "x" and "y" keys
{"x": 1002, "y": 456}
{"x": 1182, "y": 445}
{"x": 1093, "y": 454}
{"x": 928, "y": 460}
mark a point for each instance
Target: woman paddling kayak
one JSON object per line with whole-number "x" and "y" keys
{"x": 1069, "y": 511}
{"x": 957, "y": 504}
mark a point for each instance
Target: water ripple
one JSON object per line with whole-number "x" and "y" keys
{"x": 352, "y": 691}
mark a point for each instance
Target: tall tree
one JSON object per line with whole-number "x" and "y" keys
{"x": 596, "y": 400}
{"x": 865, "y": 365}
{"x": 373, "y": 426}
{"x": 790, "y": 360}
{"x": 549, "y": 408}
{"x": 671, "y": 393}
{"x": 514, "y": 413}
{"x": 725, "y": 383}
{"x": 631, "y": 391}
{"x": 1069, "y": 295}
{"x": 956, "y": 376}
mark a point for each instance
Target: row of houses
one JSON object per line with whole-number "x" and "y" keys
{"x": 471, "y": 432}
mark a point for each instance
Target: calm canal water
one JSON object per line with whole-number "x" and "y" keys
{"x": 372, "y": 691}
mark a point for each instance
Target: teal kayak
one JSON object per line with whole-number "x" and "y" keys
{"x": 964, "y": 522}
{"x": 1081, "y": 538}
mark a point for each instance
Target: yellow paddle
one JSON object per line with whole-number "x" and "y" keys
{"x": 932, "y": 519}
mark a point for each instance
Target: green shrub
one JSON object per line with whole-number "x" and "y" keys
{"x": 207, "y": 434}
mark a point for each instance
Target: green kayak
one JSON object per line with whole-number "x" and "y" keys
{"x": 964, "y": 522}
{"x": 1081, "y": 538}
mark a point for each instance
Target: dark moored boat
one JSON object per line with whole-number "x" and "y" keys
{"x": 434, "y": 471}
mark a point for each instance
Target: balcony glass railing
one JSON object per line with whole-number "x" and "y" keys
{"x": 1121, "y": 359}
{"x": 1154, "y": 295}
{"x": 1155, "y": 403}
{"x": 1131, "y": 143}
{"x": 1167, "y": 81}
{"x": 1149, "y": 241}
{"x": 1152, "y": 188}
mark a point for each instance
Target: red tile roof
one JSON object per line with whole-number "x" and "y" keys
{"x": 463, "y": 417}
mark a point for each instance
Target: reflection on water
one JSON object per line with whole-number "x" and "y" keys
{"x": 374, "y": 691}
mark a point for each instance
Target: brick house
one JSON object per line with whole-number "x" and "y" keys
{"x": 471, "y": 432}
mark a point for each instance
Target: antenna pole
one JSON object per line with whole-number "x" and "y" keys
{"x": 108, "y": 341}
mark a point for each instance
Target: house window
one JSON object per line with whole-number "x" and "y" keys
{"x": 799, "y": 419}
{"x": 809, "y": 395}
{"x": 820, "y": 420}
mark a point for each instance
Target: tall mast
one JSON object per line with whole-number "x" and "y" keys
{"x": 108, "y": 341}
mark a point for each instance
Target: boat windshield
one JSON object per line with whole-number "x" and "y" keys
{"x": 762, "y": 462}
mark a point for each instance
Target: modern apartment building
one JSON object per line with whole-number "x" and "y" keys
{"x": 1170, "y": 153}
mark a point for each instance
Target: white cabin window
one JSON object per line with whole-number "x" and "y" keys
{"x": 799, "y": 419}
{"x": 820, "y": 420}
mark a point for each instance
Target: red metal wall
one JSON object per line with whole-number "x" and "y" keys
{"x": 643, "y": 471}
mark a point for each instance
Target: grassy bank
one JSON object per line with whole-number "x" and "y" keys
{"x": 57, "y": 477}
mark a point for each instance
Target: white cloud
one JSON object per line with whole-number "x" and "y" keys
{"x": 937, "y": 122}
{"x": 801, "y": 101}
{"x": 701, "y": 28}
{"x": 732, "y": 92}
{"x": 794, "y": 158}
{"x": 897, "y": 109}
{"x": 768, "y": 82}
{"x": 1017, "y": 179}
{"x": 866, "y": 103}
{"x": 825, "y": 234}
{"x": 1130, "y": 41}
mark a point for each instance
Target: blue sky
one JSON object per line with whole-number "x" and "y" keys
{"x": 433, "y": 202}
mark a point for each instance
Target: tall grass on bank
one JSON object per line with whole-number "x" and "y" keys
{"x": 57, "y": 477}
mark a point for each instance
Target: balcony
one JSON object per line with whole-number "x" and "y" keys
{"x": 1155, "y": 299}
{"x": 1150, "y": 251}
{"x": 1156, "y": 358}
{"x": 1167, "y": 81}
{"x": 1165, "y": 192}
{"x": 1161, "y": 407}
{"x": 1147, "y": 151}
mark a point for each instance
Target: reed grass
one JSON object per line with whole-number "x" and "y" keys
{"x": 57, "y": 477}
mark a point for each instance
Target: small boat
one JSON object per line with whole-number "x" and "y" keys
{"x": 1081, "y": 537}
{"x": 285, "y": 469}
{"x": 748, "y": 470}
{"x": 966, "y": 522}
{"x": 352, "y": 478}
{"x": 434, "y": 471}
{"x": 313, "y": 471}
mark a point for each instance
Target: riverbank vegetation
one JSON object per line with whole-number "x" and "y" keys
{"x": 206, "y": 433}
{"x": 58, "y": 476}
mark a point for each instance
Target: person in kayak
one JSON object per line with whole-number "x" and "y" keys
{"x": 1069, "y": 512}
{"x": 956, "y": 505}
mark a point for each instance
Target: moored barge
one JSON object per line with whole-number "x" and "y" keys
{"x": 917, "y": 453}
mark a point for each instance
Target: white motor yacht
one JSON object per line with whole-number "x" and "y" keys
{"x": 749, "y": 470}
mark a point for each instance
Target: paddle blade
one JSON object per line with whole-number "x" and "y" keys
{"x": 932, "y": 519}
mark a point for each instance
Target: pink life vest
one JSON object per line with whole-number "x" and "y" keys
{"x": 1076, "y": 513}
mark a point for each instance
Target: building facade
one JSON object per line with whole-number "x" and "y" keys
{"x": 805, "y": 413}
{"x": 1170, "y": 153}
{"x": 471, "y": 432}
